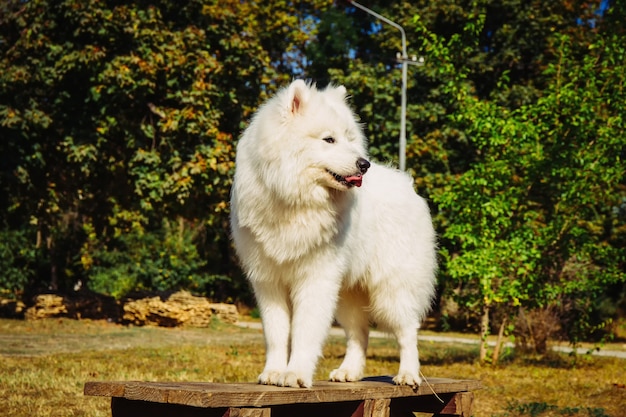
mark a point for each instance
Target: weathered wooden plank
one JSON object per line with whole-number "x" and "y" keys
{"x": 121, "y": 407}
{"x": 112, "y": 389}
{"x": 199, "y": 394}
{"x": 401, "y": 407}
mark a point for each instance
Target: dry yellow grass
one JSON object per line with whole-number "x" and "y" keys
{"x": 45, "y": 364}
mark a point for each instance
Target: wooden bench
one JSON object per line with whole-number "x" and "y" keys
{"x": 372, "y": 397}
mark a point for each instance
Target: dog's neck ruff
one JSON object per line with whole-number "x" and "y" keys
{"x": 289, "y": 229}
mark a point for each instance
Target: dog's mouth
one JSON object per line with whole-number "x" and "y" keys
{"x": 354, "y": 180}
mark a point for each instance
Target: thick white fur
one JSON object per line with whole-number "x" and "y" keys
{"x": 314, "y": 248}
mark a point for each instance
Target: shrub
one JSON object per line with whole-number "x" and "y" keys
{"x": 162, "y": 260}
{"x": 18, "y": 261}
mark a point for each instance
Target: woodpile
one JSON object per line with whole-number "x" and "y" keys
{"x": 179, "y": 309}
{"x": 166, "y": 310}
{"x": 47, "y": 306}
{"x": 11, "y": 309}
{"x": 80, "y": 305}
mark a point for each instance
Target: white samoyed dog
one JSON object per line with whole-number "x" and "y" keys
{"x": 323, "y": 233}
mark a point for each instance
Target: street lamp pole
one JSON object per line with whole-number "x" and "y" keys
{"x": 404, "y": 59}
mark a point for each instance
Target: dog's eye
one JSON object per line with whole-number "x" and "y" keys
{"x": 329, "y": 139}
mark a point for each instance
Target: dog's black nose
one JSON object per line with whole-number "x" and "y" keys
{"x": 363, "y": 165}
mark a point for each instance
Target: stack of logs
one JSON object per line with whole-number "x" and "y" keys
{"x": 169, "y": 310}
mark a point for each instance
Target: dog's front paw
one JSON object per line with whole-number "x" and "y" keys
{"x": 270, "y": 377}
{"x": 295, "y": 380}
{"x": 407, "y": 378}
{"x": 345, "y": 375}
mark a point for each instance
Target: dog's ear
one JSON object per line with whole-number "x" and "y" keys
{"x": 298, "y": 95}
{"x": 340, "y": 92}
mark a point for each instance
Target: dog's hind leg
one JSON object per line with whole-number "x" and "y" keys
{"x": 408, "y": 374}
{"x": 396, "y": 312}
{"x": 353, "y": 316}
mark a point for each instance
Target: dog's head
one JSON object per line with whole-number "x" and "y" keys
{"x": 305, "y": 140}
{"x": 327, "y": 139}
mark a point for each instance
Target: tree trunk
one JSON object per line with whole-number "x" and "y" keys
{"x": 499, "y": 342}
{"x": 484, "y": 332}
{"x": 54, "y": 276}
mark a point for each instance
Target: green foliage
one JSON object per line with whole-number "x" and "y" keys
{"x": 537, "y": 220}
{"x": 164, "y": 260}
{"x": 18, "y": 261}
{"x": 485, "y": 39}
{"x": 118, "y": 118}
{"x": 535, "y": 409}
{"x": 119, "y": 122}
{"x": 516, "y": 134}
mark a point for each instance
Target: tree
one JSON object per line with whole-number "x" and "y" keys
{"x": 512, "y": 37}
{"x": 538, "y": 220}
{"x": 119, "y": 121}
{"x": 482, "y": 146}
{"x": 118, "y": 124}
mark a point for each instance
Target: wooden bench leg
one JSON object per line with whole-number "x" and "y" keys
{"x": 373, "y": 408}
{"x": 459, "y": 405}
{"x": 454, "y": 404}
{"x": 248, "y": 412}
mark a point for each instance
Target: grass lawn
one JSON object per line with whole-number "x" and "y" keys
{"x": 44, "y": 365}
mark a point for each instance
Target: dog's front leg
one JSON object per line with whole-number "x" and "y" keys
{"x": 314, "y": 300}
{"x": 273, "y": 301}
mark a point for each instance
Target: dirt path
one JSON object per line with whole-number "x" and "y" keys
{"x": 460, "y": 340}
{"x": 45, "y": 337}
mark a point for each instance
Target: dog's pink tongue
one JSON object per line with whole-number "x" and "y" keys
{"x": 355, "y": 179}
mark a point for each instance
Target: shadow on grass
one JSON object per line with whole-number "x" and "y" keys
{"x": 386, "y": 351}
{"x": 442, "y": 354}
{"x": 536, "y": 409}
{"x": 554, "y": 360}
{"x": 447, "y": 354}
